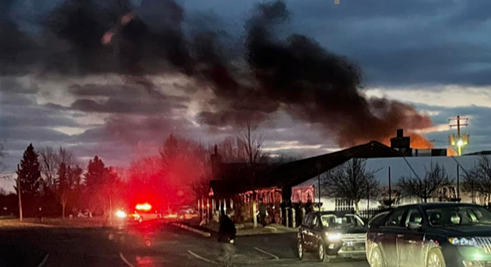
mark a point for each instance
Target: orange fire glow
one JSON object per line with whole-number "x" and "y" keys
{"x": 417, "y": 142}
{"x": 451, "y": 152}
{"x": 420, "y": 142}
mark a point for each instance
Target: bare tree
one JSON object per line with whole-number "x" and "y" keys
{"x": 65, "y": 183}
{"x": 51, "y": 161}
{"x": 232, "y": 150}
{"x": 479, "y": 179}
{"x": 61, "y": 174}
{"x": 351, "y": 181}
{"x": 425, "y": 188}
{"x": 251, "y": 140}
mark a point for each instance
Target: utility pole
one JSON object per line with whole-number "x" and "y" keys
{"x": 390, "y": 191}
{"x": 319, "y": 183}
{"x": 458, "y": 183}
{"x": 19, "y": 190}
{"x": 459, "y": 140}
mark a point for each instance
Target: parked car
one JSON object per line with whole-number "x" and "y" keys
{"x": 377, "y": 219}
{"x": 331, "y": 235}
{"x": 432, "y": 235}
{"x": 186, "y": 213}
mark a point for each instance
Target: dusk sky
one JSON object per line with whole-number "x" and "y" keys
{"x": 62, "y": 88}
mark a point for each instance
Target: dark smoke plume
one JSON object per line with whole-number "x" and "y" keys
{"x": 311, "y": 83}
{"x": 294, "y": 74}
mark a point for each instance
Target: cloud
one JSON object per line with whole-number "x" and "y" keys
{"x": 246, "y": 59}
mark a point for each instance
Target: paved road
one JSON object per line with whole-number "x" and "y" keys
{"x": 147, "y": 245}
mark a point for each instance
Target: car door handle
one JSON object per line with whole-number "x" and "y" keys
{"x": 399, "y": 235}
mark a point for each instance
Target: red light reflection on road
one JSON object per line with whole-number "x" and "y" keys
{"x": 146, "y": 261}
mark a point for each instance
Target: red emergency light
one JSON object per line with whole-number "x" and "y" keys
{"x": 145, "y": 207}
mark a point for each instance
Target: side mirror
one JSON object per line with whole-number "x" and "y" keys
{"x": 414, "y": 226}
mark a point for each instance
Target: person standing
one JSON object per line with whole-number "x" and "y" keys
{"x": 263, "y": 212}
{"x": 226, "y": 236}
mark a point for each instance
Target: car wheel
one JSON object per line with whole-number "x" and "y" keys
{"x": 435, "y": 259}
{"x": 300, "y": 249}
{"x": 376, "y": 258}
{"x": 321, "y": 252}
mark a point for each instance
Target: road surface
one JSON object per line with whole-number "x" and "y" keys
{"x": 150, "y": 244}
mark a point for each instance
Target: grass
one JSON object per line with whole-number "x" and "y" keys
{"x": 55, "y": 222}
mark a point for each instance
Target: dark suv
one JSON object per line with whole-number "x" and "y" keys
{"x": 332, "y": 234}
{"x": 433, "y": 235}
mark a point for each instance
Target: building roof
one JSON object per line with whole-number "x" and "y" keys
{"x": 233, "y": 177}
{"x": 485, "y": 152}
{"x": 413, "y": 167}
{"x": 296, "y": 172}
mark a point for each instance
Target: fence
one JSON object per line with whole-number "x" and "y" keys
{"x": 366, "y": 214}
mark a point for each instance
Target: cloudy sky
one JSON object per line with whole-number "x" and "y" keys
{"x": 115, "y": 79}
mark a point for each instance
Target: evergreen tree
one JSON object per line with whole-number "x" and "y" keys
{"x": 29, "y": 174}
{"x": 29, "y": 179}
{"x": 95, "y": 173}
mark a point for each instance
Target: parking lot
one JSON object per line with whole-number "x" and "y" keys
{"x": 155, "y": 244}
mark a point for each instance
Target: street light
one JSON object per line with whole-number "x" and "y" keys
{"x": 460, "y": 143}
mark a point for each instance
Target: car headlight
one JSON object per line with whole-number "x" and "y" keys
{"x": 462, "y": 241}
{"x": 121, "y": 214}
{"x": 333, "y": 236}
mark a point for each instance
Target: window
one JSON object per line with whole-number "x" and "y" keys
{"x": 458, "y": 215}
{"x": 377, "y": 219}
{"x": 308, "y": 220}
{"x": 413, "y": 216}
{"x": 315, "y": 222}
{"x": 395, "y": 218}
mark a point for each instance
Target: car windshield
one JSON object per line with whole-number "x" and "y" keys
{"x": 458, "y": 215}
{"x": 344, "y": 221}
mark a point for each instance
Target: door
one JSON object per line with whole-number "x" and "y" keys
{"x": 305, "y": 230}
{"x": 311, "y": 237}
{"x": 388, "y": 236}
{"x": 410, "y": 241}
{"x": 316, "y": 230}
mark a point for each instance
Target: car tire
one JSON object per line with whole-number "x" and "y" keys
{"x": 300, "y": 249}
{"x": 376, "y": 258}
{"x": 435, "y": 259}
{"x": 321, "y": 252}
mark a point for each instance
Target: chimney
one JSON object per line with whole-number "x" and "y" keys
{"x": 401, "y": 143}
{"x": 216, "y": 162}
